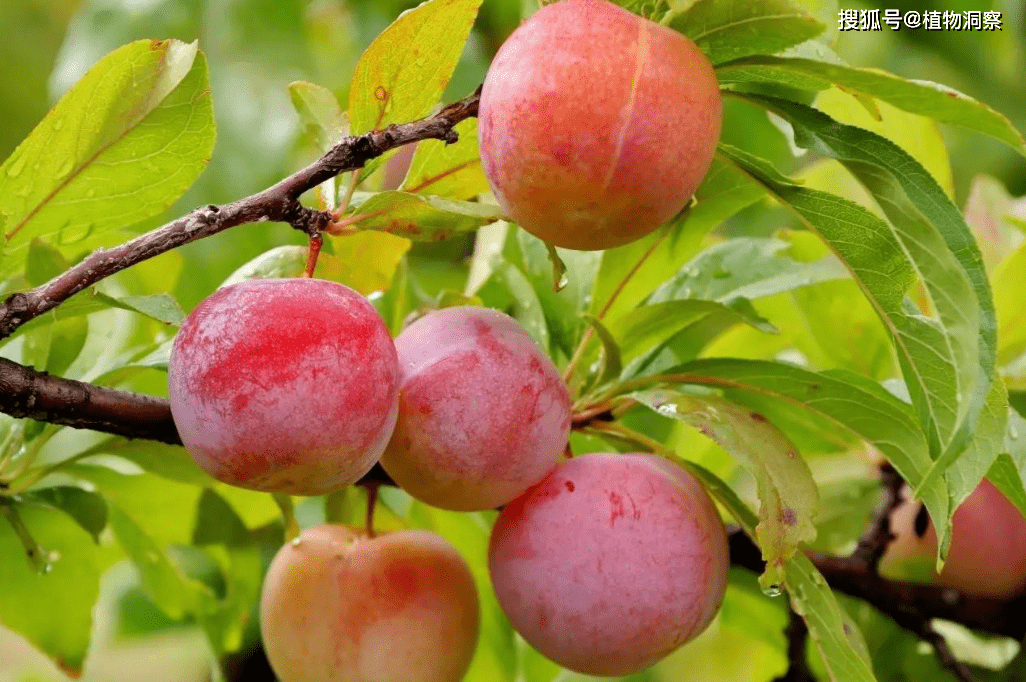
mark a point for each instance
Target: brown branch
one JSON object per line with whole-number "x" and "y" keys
{"x": 910, "y": 605}
{"x": 873, "y": 543}
{"x": 26, "y": 393}
{"x": 279, "y": 203}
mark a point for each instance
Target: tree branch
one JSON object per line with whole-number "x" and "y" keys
{"x": 279, "y": 203}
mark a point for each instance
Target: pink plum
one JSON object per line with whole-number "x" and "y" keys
{"x": 483, "y": 412}
{"x": 338, "y": 606}
{"x": 596, "y": 125}
{"x": 988, "y": 545}
{"x": 611, "y": 562}
{"x": 284, "y": 385}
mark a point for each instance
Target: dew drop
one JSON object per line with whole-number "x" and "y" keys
{"x": 564, "y": 279}
{"x": 17, "y": 167}
{"x": 296, "y": 541}
{"x": 773, "y": 590}
{"x": 667, "y": 409}
{"x": 64, "y": 168}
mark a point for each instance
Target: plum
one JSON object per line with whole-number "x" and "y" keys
{"x": 596, "y": 125}
{"x": 483, "y": 412}
{"x": 338, "y": 606}
{"x": 611, "y": 562}
{"x": 988, "y": 545}
{"x": 287, "y": 386}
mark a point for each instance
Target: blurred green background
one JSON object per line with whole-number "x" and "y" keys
{"x": 255, "y": 48}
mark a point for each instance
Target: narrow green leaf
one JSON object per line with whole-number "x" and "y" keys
{"x": 119, "y": 147}
{"x": 1006, "y": 477}
{"x": 217, "y": 523}
{"x": 405, "y": 70}
{"x": 88, "y": 509}
{"x": 745, "y": 267}
{"x": 840, "y": 643}
{"x": 452, "y": 171}
{"x": 160, "y": 307}
{"x": 788, "y": 496}
{"x": 849, "y": 400}
{"x": 527, "y": 308}
{"x": 421, "y": 218}
{"x": 167, "y": 461}
{"x": 160, "y": 579}
{"x": 919, "y": 97}
{"x": 941, "y": 248}
{"x": 727, "y": 30}
{"x": 644, "y": 330}
{"x": 611, "y": 365}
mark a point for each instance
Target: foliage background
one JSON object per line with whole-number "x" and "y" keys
{"x": 254, "y": 50}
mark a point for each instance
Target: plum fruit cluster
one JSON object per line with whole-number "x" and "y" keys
{"x": 596, "y": 125}
{"x": 604, "y": 562}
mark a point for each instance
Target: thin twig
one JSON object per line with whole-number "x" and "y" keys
{"x": 278, "y": 203}
{"x": 873, "y": 543}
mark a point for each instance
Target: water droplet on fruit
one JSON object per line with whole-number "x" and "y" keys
{"x": 296, "y": 541}
{"x": 773, "y": 590}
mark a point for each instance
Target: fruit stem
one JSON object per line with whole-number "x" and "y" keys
{"x": 313, "y": 251}
{"x": 372, "y": 499}
{"x": 288, "y": 515}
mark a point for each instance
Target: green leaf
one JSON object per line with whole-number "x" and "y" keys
{"x": 172, "y": 462}
{"x": 88, "y": 509}
{"x": 849, "y": 400}
{"x": 943, "y": 252}
{"x": 919, "y": 97}
{"x": 562, "y": 308}
{"x": 1005, "y": 476}
{"x": 322, "y": 117}
{"x": 788, "y": 496}
{"x": 119, "y": 147}
{"x": 43, "y": 263}
{"x": 527, "y": 308}
{"x": 611, "y": 365}
{"x": 745, "y": 267}
{"x": 727, "y": 30}
{"x": 348, "y": 264}
{"x": 405, "y": 70}
{"x": 643, "y": 331}
{"x": 839, "y": 641}
{"x": 452, "y": 171}
{"x": 1011, "y": 305}
{"x": 52, "y": 609}
{"x": 160, "y": 307}
{"x": 421, "y": 218}
{"x": 161, "y": 581}
{"x": 217, "y": 523}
